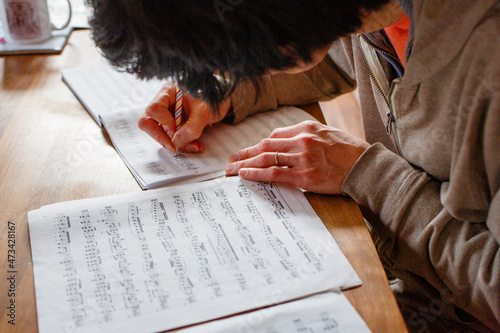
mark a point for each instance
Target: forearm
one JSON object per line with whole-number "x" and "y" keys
{"x": 323, "y": 82}
{"x": 421, "y": 239}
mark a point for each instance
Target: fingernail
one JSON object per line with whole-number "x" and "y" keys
{"x": 230, "y": 168}
{"x": 192, "y": 148}
{"x": 169, "y": 148}
{"x": 170, "y": 134}
{"x": 235, "y": 157}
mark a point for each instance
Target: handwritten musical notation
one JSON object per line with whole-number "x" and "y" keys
{"x": 167, "y": 258}
{"x": 154, "y": 166}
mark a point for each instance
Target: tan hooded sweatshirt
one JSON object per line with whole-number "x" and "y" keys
{"x": 429, "y": 188}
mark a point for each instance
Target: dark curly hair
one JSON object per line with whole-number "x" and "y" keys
{"x": 190, "y": 41}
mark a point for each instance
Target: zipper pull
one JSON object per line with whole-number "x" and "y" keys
{"x": 390, "y": 120}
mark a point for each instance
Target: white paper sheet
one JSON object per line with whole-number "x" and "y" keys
{"x": 154, "y": 166}
{"x": 167, "y": 258}
{"x": 329, "y": 312}
{"x": 103, "y": 90}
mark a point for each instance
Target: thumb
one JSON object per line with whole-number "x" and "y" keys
{"x": 191, "y": 129}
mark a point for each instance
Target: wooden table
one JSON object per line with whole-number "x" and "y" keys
{"x": 52, "y": 150}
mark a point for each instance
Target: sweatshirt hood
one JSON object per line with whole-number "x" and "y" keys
{"x": 437, "y": 40}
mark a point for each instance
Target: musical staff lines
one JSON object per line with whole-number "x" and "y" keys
{"x": 155, "y": 258}
{"x": 275, "y": 199}
{"x": 198, "y": 248}
{"x": 154, "y": 283}
{"x": 225, "y": 250}
{"x": 249, "y": 246}
{"x": 73, "y": 283}
{"x": 166, "y": 235}
{"x": 94, "y": 266}
{"x": 272, "y": 241}
{"x": 330, "y": 324}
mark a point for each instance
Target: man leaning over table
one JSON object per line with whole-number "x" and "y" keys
{"x": 428, "y": 72}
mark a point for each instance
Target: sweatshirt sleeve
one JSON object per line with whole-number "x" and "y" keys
{"x": 330, "y": 78}
{"x": 422, "y": 230}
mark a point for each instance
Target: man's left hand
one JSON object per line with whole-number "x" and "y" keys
{"x": 311, "y": 156}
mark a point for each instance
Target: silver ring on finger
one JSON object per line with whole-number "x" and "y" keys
{"x": 276, "y": 161}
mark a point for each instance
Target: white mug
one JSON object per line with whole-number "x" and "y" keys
{"x": 28, "y": 21}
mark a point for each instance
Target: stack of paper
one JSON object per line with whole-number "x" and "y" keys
{"x": 177, "y": 256}
{"x": 185, "y": 256}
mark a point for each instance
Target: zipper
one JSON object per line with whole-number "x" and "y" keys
{"x": 390, "y": 55}
{"x": 390, "y": 120}
{"x": 390, "y": 116}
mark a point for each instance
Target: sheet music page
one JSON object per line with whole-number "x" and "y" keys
{"x": 329, "y": 312}
{"x": 103, "y": 90}
{"x": 167, "y": 258}
{"x": 154, "y": 166}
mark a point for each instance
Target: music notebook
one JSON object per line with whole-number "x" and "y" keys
{"x": 116, "y": 101}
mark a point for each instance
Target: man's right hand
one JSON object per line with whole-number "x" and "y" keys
{"x": 158, "y": 120}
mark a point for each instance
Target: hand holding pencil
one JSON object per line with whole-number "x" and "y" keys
{"x": 178, "y": 108}
{"x": 176, "y": 120}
